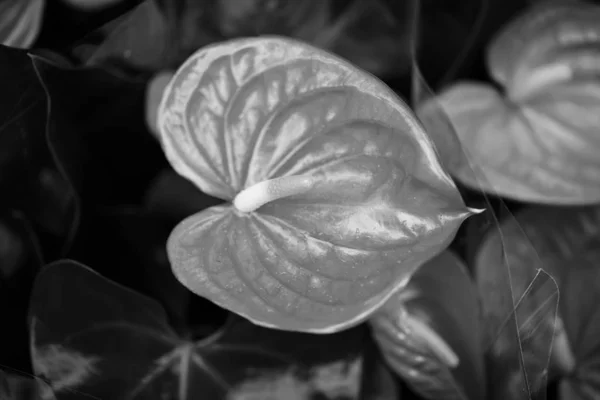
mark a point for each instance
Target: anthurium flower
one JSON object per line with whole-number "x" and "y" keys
{"x": 565, "y": 244}
{"x": 20, "y": 22}
{"x": 537, "y": 138}
{"x": 431, "y": 333}
{"x": 335, "y": 192}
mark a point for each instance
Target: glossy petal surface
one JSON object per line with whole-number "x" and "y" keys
{"x": 447, "y": 300}
{"x": 566, "y": 244}
{"x": 241, "y": 112}
{"x": 539, "y": 141}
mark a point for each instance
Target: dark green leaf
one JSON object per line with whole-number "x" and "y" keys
{"x": 93, "y": 336}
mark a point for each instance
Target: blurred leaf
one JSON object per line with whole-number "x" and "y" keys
{"x": 379, "y": 383}
{"x": 17, "y": 387}
{"x": 534, "y": 139}
{"x": 513, "y": 335}
{"x": 508, "y": 257}
{"x": 161, "y": 34}
{"x": 20, "y": 252}
{"x": 568, "y": 243}
{"x": 320, "y": 259}
{"x": 139, "y": 37}
{"x": 138, "y": 235}
{"x": 20, "y": 261}
{"x": 441, "y": 295}
{"x": 57, "y": 125}
{"x": 92, "y": 5}
{"x": 91, "y": 336}
{"x": 371, "y": 36}
{"x": 448, "y": 36}
{"x": 20, "y": 22}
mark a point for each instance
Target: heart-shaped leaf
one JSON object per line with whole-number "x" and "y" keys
{"x": 442, "y": 297}
{"x": 20, "y": 22}
{"x": 538, "y": 142}
{"x": 520, "y": 321}
{"x": 567, "y": 241}
{"x": 338, "y": 194}
{"x": 93, "y": 337}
